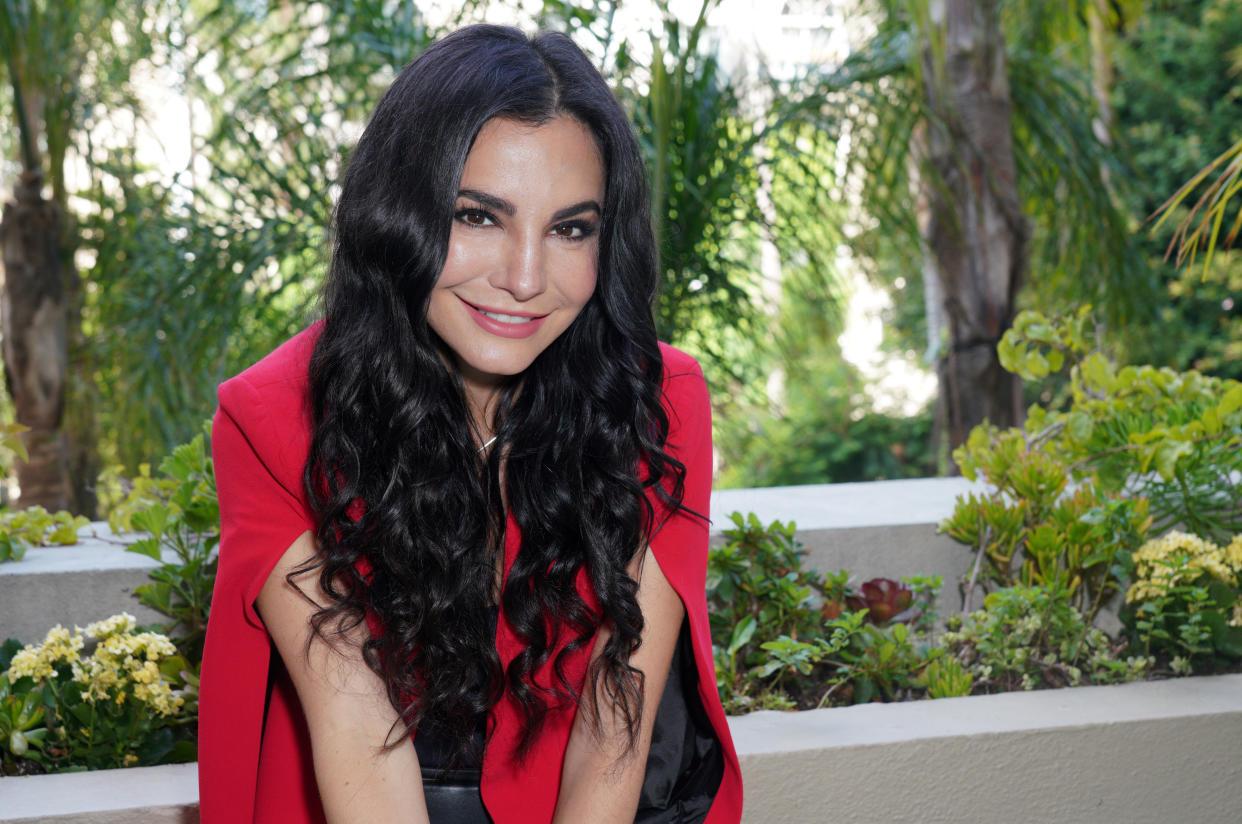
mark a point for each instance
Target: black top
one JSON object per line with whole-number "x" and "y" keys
{"x": 684, "y": 765}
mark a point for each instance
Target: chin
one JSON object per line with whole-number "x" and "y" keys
{"x": 496, "y": 366}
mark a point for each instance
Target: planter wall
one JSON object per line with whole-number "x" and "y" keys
{"x": 1149, "y": 752}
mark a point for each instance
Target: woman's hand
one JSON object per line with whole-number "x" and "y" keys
{"x": 345, "y": 703}
{"x": 600, "y": 783}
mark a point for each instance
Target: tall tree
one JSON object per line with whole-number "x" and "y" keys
{"x": 972, "y": 107}
{"x": 974, "y": 229}
{"x": 59, "y": 58}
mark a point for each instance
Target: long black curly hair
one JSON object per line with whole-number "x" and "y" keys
{"x": 394, "y": 471}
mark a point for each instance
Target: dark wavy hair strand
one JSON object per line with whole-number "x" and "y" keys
{"x": 410, "y": 521}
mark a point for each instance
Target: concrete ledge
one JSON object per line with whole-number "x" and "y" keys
{"x": 842, "y": 506}
{"x": 1145, "y": 752}
{"x": 141, "y": 795}
{"x": 1148, "y": 752}
{"x": 73, "y": 585}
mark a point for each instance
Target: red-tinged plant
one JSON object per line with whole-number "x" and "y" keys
{"x": 885, "y": 600}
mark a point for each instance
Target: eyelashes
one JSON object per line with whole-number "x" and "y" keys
{"x": 571, "y": 230}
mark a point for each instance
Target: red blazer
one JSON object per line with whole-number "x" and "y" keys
{"x": 254, "y": 748}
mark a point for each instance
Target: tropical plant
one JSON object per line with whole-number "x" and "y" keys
{"x": 1178, "y": 120}
{"x": 950, "y": 74}
{"x": 62, "y": 62}
{"x": 231, "y": 248}
{"x": 1173, "y": 438}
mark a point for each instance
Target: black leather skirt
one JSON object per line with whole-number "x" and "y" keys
{"x": 453, "y": 797}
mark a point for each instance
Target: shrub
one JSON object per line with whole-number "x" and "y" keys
{"x": 787, "y": 638}
{"x": 126, "y": 700}
{"x": 1033, "y": 637}
{"x": 181, "y": 514}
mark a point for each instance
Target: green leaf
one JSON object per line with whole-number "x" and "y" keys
{"x": 1168, "y": 454}
{"x": 742, "y": 634}
{"x": 1079, "y": 427}
{"x": 1231, "y": 402}
{"x": 1099, "y": 372}
{"x": 155, "y": 595}
{"x": 149, "y": 547}
{"x": 154, "y": 519}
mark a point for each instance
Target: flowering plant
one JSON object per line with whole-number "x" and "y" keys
{"x": 1185, "y": 599}
{"x": 125, "y": 703}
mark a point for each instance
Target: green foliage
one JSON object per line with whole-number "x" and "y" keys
{"x": 1174, "y": 438}
{"x": 35, "y": 526}
{"x": 700, "y": 152}
{"x": 786, "y": 638}
{"x": 1185, "y": 604}
{"x": 11, "y": 445}
{"x": 22, "y": 712}
{"x": 1032, "y": 637}
{"x": 1077, "y": 489}
{"x": 181, "y": 514}
{"x": 1031, "y": 529}
{"x": 822, "y": 435}
{"x": 1176, "y": 104}
{"x": 880, "y": 664}
{"x": 232, "y": 254}
{"x": 757, "y": 574}
{"x": 946, "y": 677}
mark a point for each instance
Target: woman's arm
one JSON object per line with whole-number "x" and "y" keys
{"x": 345, "y": 703}
{"x": 599, "y": 781}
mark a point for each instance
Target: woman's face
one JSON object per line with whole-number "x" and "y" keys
{"x": 523, "y": 248}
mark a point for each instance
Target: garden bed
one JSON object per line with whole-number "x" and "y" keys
{"x": 1145, "y": 751}
{"x": 1154, "y": 751}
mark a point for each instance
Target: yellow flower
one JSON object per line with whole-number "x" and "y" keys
{"x": 1179, "y": 558}
{"x": 116, "y": 625}
{"x": 1233, "y": 553}
{"x": 39, "y": 662}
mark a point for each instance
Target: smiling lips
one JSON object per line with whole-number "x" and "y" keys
{"x": 505, "y": 324}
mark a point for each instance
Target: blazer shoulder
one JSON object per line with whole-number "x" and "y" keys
{"x": 277, "y": 382}
{"x": 268, "y": 405}
{"x": 678, "y": 363}
{"x": 684, "y": 387}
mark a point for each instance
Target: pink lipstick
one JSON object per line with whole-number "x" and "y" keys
{"x": 505, "y": 324}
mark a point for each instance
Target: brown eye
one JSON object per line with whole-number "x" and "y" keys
{"x": 474, "y": 217}
{"x": 575, "y": 230}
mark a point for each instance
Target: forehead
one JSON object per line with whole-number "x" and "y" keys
{"x": 557, "y": 160}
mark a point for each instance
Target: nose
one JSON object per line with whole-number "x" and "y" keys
{"x": 522, "y": 272}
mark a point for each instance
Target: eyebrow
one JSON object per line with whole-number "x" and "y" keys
{"x": 506, "y": 208}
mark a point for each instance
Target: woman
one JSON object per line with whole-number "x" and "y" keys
{"x": 468, "y": 508}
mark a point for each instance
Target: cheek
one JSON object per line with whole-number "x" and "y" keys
{"x": 460, "y": 261}
{"x": 580, "y": 281}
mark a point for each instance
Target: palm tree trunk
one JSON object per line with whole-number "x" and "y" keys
{"x": 32, "y": 313}
{"x": 974, "y": 232}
